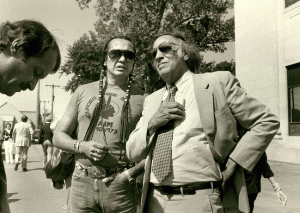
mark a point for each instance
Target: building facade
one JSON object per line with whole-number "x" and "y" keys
{"x": 267, "y": 50}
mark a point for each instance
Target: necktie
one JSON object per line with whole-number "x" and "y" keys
{"x": 163, "y": 147}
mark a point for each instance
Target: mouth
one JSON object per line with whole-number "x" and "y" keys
{"x": 161, "y": 64}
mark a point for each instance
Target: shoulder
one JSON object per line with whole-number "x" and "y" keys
{"x": 215, "y": 76}
{"x": 137, "y": 93}
{"x": 88, "y": 87}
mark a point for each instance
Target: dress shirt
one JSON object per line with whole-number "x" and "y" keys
{"x": 192, "y": 160}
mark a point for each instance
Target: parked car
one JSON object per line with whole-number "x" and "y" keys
{"x": 36, "y": 135}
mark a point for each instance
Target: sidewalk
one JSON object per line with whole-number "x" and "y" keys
{"x": 31, "y": 192}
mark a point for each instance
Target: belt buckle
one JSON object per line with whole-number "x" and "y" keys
{"x": 98, "y": 172}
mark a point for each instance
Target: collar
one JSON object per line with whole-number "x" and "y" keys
{"x": 182, "y": 82}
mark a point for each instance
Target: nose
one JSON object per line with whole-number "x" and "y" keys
{"x": 158, "y": 54}
{"x": 32, "y": 84}
{"x": 122, "y": 58}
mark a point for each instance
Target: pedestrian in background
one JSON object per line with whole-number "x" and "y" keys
{"x": 45, "y": 139}
{"x": 22, "y": 136}
{"x": 28, "y": 52}
{"x": 8, "y": 143}
{"x": 253, "y": 181}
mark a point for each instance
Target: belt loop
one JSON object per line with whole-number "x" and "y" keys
{"x": 212, "y": 187}
{"x": 181, "y": 191}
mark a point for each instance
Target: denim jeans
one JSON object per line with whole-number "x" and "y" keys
{"x": 92, "y": 195}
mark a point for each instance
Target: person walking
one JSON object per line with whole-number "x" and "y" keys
{"x": 104, "y": 178}
{"x": 22, "y": 136}
{"x": 28, "y": 52}
{"x": 253, "y": 181}
{"x": 188, "y": 134}
{"x": 45, "y": 139}
{"x": 8, "y": 144}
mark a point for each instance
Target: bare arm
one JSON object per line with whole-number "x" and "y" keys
{"x": 63, "y": 140}
{"x": 62, "y": 132}
{"x": 282, "y": 199}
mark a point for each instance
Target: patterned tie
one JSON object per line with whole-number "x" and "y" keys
{"x": 163, "y": 147}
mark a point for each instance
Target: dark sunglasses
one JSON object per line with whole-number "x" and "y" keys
{"x": 116, "y": 54}
{"x": 165, "y": 47}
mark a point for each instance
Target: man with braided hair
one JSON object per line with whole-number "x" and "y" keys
{"x": 28, "y": 52}
{"x": 103, "y": 180}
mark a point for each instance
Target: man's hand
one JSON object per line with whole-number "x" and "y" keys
{"x": 93, "y": 150}
{"x": 166, "y": 112}
{"x": 120, "y": 177}
{"x": 228, "y": 172}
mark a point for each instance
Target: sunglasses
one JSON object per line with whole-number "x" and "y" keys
{"x": 116, "y": 54}
{"x": 165, "y": 48}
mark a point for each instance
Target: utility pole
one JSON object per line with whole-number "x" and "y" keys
{"x": 52, "y": 99}
{"x": 44, "y": 110}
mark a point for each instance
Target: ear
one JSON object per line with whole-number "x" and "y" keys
{"x": 186, "y": 57}
{"x": 14, "y": 49}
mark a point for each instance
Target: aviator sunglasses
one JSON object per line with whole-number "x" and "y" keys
{"x": 164, "y": 48}
{"x": 116, "y": 54}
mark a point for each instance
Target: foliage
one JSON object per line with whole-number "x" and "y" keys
{"x": 224, "y": 65}
{"x": 202, "y": 21}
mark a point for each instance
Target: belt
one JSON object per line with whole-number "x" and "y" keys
{"x": 187, "y": 189}
{"x": 99, "y": 172}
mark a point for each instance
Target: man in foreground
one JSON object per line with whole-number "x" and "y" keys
{"x": 188, "y": 135}
{"x": 28, "y": 52}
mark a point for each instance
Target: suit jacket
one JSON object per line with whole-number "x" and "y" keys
{"x": 222, "y": 103}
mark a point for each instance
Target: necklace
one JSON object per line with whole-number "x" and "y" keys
{"x": 125, "y": 114}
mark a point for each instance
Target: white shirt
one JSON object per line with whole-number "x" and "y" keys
{"x": 192, "y": 160}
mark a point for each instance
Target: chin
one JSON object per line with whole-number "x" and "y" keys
{"x": 10, "y": 93}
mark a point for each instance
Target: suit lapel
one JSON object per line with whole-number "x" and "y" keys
{"x": 205, "y": 103}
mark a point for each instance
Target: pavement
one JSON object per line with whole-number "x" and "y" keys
{"x": 31, "y": 192}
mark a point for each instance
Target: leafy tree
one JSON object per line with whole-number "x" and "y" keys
{"x": 202, "y": 21}
{"x": 225, "y": 65}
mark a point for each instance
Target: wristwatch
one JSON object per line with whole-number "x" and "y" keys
{"x": 131, "y": 180}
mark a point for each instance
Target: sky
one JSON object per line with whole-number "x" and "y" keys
{"x": 67, "y": 22}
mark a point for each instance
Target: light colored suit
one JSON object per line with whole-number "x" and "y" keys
{"x": 221, "y": 102}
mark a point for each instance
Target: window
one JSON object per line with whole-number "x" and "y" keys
{"x": 293, "y": 75}
{"x": 290, "y": 2}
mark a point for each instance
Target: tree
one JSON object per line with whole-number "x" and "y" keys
{"x": 224, "y": 65}
{"x": 202, "y": 21}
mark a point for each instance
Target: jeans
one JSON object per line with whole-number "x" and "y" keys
{"x": 92, "y": 195}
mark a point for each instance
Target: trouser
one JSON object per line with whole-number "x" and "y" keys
{"x": 93, "y": 195}
{"x": 205, "y": 200}
{"x": 4, "y": 207}
{"x": 252, "y": 198}
{"x": 8, "y": 147}
{"x": 21, "y": 155}
{"x": 47, "y": 150}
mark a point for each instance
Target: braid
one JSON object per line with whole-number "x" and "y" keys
{"x": 97, "y": 110}
{"x": 126, "y": 115}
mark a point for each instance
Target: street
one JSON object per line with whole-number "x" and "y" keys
{"x": 31, "y": 192}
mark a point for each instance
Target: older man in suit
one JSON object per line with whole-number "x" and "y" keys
{"x": 188, "y": 135}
